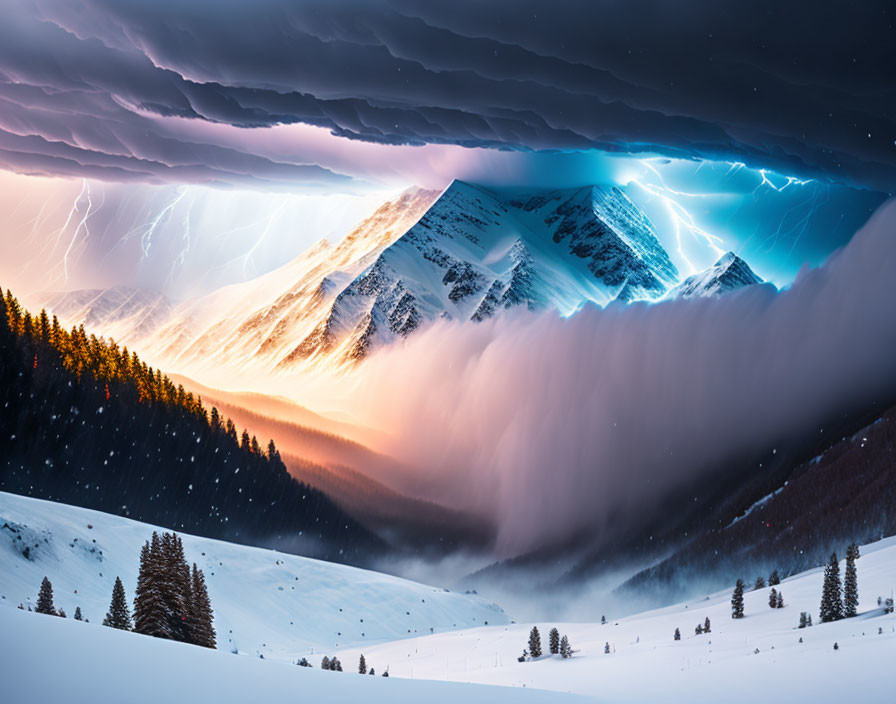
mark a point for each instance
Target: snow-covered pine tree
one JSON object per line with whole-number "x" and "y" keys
{"x": 773, "y": 598}
{"x": 45, "y": 598}
{"x": 851, "y": 583}
{"x": 386, "y": 672}
{"x": 372, "y": 672}
{"x": 737, "y": 600}
{"x": 760, "y": 583}
{"x": 202, "y": 629}
{"x": 808, "y": 620}
{"x": 303, "y": 663}
{"x": 779, "y": 604}
{"x": 150, "y": 613}
{"x": 607, "y": 648}
{"x": 78, "y": 616}
{"x": 362, "y": 665}
{"x": 325, "y": 663}
{"x": 831, "y": 602}
{"x": 118, "y": 615}
{"x": 534, "y": 642}
{"x": 677, "y": 635}
{"x": 802, "y": 619}
{"x": 554, "y": 641}
{"x": 336, "y": 664}
{"x": 603, "y": 620}
{"x": 698, "y": 631}
{"x": 774, "y": 580}
{"x": 706, "y": 625}
{"x": 565, "y": 649}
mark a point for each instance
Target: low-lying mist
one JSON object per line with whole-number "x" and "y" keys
{"x": 552, "y": 425}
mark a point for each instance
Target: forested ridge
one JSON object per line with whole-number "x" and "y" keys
{"x": 86, "y": 422}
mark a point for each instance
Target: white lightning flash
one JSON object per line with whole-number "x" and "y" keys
{"x": 683, "y": 221}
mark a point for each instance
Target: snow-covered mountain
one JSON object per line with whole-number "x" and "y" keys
{"x": 121, "y": 312}
{"x": 463, "y": 254}
{"x": 729, "y": 273}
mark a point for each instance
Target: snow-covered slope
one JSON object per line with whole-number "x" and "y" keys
{"x": 759, "y": 658}
{"x": 48, "y": 660}
{"x": 728, "y": 274}
{"x": 266, "y": 603}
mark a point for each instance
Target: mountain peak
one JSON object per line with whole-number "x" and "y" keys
{"x": 729, "y": 273}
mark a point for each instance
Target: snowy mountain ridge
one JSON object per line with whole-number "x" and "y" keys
{"x": 466, "y": 253}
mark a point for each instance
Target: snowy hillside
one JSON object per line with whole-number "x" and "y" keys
{"x": 51, "y": 660}
{"x": 647, "y": 665}
{"x": 265, "y": 602}
{"x": 728, "y": 274}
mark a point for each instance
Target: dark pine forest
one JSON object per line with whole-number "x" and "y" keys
{"x": 85, "y": 422}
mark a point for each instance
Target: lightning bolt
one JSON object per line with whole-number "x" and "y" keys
{"x": 146, "y": 237}
{"x": 267, "y": 228}
{"x": 181, "y": 258}
{"x": 682, "y": 220}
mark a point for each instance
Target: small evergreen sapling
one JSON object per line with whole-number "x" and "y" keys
{"x": 607, "y": 648}
{"x": 779, "y": 604}
{"x": 737, "y": 600}
{"x": 554, "y": 641}
{"x": 535, "y": 642}
{"x": 706, "y": 625}
{"x": 118, "y": 615}
{"x": 45, "y": 598}
{"x": 773, "y": 598}
{"x": 78, "y": 614}
{"x": 565, "y": 649}
{"x": 698, "y": 631}
{"x": 362, "y": 665}
{"x": 677, "y": 635}
{"x": 325, "y": 663}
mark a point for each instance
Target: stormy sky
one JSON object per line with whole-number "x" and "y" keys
{"x": 175, "y": 91}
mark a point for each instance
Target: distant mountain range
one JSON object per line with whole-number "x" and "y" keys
{"x": 467, "y": 254}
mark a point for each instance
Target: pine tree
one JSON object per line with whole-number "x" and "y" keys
{"x": 177, "y": 587}
{"x": 78, "y": 616}
{"x": 706, "y": 625}
{"x": 325, "y": 663}
{"x": 737, "y": 600}
{"x": 607, "y": 648}
{"x": 851, "y": 583}
{"x": 603, "y": 620}
{"x": 118, "y": 615}
{"x": 565, "y": 649}
{"x": 760, "y": 583}
{"x": 774, "y": 580}
{"x": 362, "y": 665}
{"x": 534, "y": 642}
{"x": 554, "y": 641}
{"x": 150, "y": 614}
{"x": 831, "y": 603}
{"x": 780, "y": 602}
{"x": 677, "y": 635}
{"x": 773, "y": 598}
{"x": 372, "y": 672}
{"x": 201, "y": 615}
{"x": 45, "y": 598}
{"x": 336, "y": 665}
{"x": 808, "y": 620}
{"x": 698, "y": 630}
{"x": 802, "y": 619}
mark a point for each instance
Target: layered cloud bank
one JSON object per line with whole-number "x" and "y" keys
{"x": 553, "y": 425}
{"x": 100, "y": 87}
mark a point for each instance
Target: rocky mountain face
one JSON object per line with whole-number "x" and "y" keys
{"x": 728, "y": 274}
{"x": 467, "y": 254}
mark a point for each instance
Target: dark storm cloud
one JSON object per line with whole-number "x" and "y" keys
{"x": 802, "y": 88}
